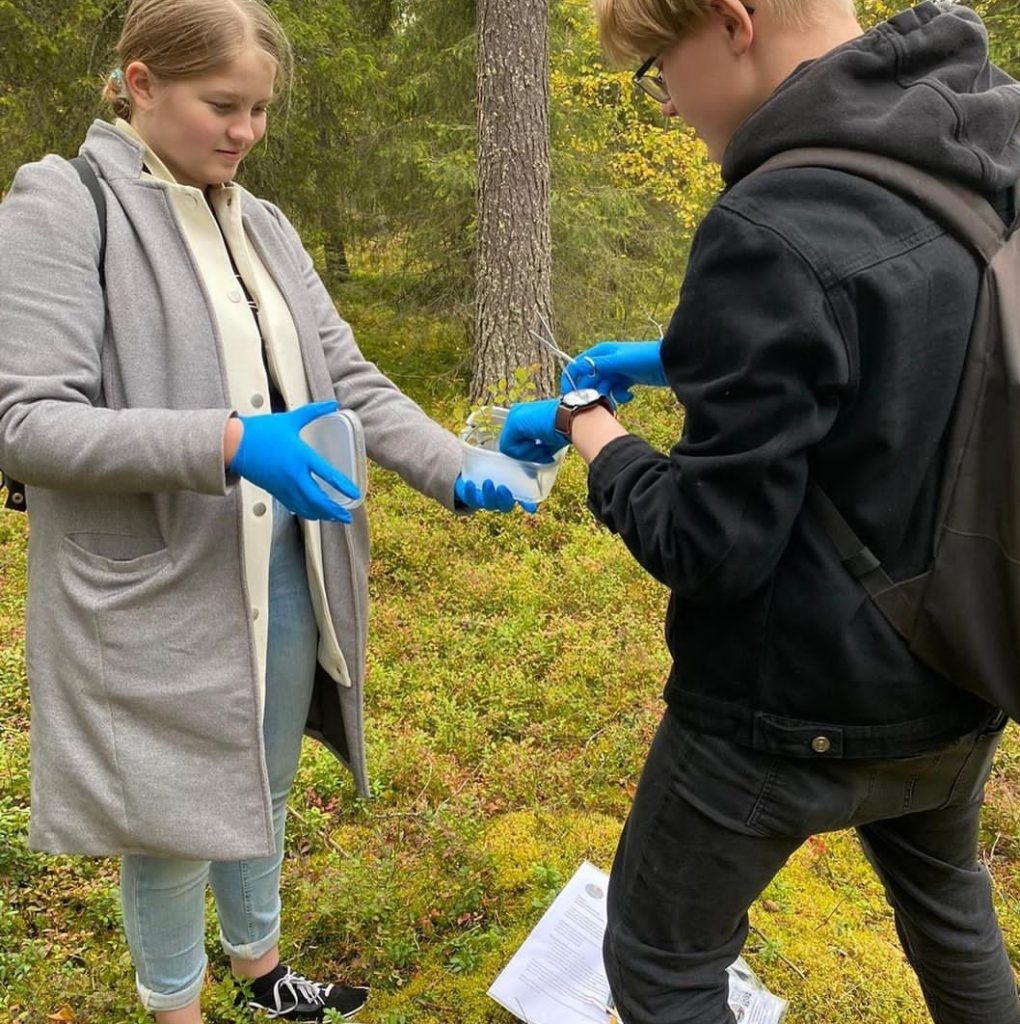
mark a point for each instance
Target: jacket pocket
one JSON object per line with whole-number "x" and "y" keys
{"x": 119, "y": 554}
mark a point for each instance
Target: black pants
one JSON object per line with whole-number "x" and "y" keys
{"x": 713, "y": 822}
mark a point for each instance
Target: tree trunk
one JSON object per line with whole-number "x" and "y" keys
{"x": 514, "y": 264}
{"x": 338, "y": 269}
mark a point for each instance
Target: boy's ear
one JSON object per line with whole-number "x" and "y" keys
{"x": 737, "y": 22}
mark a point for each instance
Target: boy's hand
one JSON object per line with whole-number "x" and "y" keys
{"x": 614, "y": 367}
{"x": 530, "y": 433}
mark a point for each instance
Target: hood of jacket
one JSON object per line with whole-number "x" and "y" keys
{"x": 919, "y": 88}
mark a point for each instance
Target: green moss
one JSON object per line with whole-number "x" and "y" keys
{"x": 823, "y": 937}
{"x": 519, "y": 840}
{"x": 515, "y": 671}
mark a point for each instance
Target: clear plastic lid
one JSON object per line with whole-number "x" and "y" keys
{"x": 340, "y": 439}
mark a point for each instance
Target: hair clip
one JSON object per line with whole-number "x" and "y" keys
{"x": 117, "y": 77}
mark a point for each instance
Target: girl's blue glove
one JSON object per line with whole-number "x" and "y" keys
{"x": 614, "y": 367}
{"x": 273, "y": 457}
{"x": 530, "y": 433}
{"x": 488, "y": 497}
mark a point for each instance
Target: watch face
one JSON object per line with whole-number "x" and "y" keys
{"x": 580, "y": 397}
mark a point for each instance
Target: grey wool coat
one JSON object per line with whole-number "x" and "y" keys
{"x": 146, "y": 729}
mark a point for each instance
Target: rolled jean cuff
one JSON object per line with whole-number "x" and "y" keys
{"x": 252, "y": 950}
{"x": 158, "y": 1001}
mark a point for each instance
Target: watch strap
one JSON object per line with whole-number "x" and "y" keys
{"x": 565, "y": 414}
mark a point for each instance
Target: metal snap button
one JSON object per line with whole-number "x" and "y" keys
{"x": 257, "y": 401}
{"x": 254, "y": 613}
{"x": 821, "y": 744}
{"x": 259, "y": 508}
{"x": 234, "y": 296}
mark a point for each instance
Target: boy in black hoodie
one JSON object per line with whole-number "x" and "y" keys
{"x": 819, "y": 337}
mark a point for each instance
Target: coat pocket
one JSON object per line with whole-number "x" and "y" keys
{"x": 109, "y": 584}
{"x": 118, "y": 553}
{"x": 165, "y": 698}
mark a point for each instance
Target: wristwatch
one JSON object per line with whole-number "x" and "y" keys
{"x": 577, "y": 401}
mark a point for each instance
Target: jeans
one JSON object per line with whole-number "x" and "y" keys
{"x": 163, "y": 899}
{"x": 713, "y": 822}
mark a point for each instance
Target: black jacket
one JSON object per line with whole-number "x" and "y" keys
{"x": 820, "y": 335}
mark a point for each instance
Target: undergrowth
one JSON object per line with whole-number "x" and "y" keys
{"x": 515, "y": 671}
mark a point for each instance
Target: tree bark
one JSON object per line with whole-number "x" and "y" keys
{"x": 514, "y": 251}
{"x": 338, "y": 269}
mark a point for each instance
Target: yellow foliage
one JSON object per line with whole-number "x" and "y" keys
{"x": 607, "y": 116}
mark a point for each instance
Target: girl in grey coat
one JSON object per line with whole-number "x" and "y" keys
{"x": 184, "y": 626}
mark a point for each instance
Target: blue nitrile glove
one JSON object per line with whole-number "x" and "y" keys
{"x": 488, "y": 497}
{"x": 614, "y": 367}
{"x": 273, "y": 457}
{"x": 530, "y": 434}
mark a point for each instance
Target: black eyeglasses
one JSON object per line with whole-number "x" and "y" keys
{"x": 654, "y": 84}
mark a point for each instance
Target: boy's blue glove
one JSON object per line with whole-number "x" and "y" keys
{"x": 530, "y": 433}
{"x": 614, "y": 367}
{"x": 273, "y": 457}
{"x": 488, "y": 496}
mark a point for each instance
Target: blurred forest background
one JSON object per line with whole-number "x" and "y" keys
{"x": 373, "y": 151}
{"x": 515, "y": 662}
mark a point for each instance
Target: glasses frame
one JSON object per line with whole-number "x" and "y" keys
{"x": 655, "y": 85}
{"x": 651, "y": 85}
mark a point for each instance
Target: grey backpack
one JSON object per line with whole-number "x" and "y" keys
{"x": 962, "y": 615}
{"x": 15, "y": 489}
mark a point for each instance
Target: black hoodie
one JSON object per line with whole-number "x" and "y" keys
{"x": 819, "y": 336}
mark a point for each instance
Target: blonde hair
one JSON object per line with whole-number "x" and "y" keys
{"x": 178, "y": 39}
{"x": 634, "y": 30}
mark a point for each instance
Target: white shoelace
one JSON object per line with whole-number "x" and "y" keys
{"x": 299, "y": 989}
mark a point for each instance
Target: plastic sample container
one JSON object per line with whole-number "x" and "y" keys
{"x": 482, "y": 460}
{"x": 340, "y": 439}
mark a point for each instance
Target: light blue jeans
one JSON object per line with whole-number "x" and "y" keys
{"x": 164, "y": 898}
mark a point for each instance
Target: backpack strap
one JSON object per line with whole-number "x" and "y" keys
{"x": 971, "y": 219}
{"x": 968, "y": 215}
{"x": 15, "y": 499}
{"x": 91, "y": 182}
{"x": 860, "y": 561}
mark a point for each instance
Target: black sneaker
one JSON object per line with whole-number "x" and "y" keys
{"x": 283, "y": 994}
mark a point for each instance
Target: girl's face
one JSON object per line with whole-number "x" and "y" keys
{"x": 202, "y": 128}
